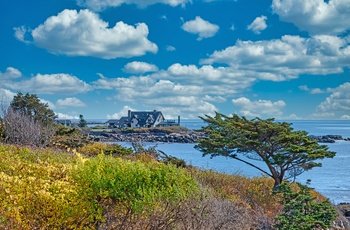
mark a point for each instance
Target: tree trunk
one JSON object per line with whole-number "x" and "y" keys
{"x": 278, "y": 181}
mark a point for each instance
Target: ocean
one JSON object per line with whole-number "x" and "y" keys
{"x": 331, "y": 180}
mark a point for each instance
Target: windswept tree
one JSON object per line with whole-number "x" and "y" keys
{"x": 285, "y": 152}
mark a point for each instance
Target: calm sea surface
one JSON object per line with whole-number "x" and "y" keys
{"x": 332, "y": 179}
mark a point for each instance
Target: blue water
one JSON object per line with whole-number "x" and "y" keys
{"x": 332, "y": 179}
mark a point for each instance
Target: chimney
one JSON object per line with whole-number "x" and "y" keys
{"x": 129, "y": 114}
{"x": 178, "y": 120}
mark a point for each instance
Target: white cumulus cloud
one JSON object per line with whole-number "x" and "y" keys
{"x": 315, "y": 16}
{"x": 139, "y": 67}
{"x": 258, "y": 25}
{"x": 10, "y": 73}
{"x": 52, "y": 84}
{"x": 49, "y": 103}
{"x": 6, "y": 96}
{"x": 286, "y": 58}
{"x": 338, "y": 102}
{"x": 70, "y": 102}
{"x": 99, "y": 5}
{"x": 122, "y": 113}
{"x": 170, "y": 48}
{"x": 83, "y": 33}
{"x": 258, "y": 108}
{"x": 312, "y": 91}
{"x": 203, "y": 28}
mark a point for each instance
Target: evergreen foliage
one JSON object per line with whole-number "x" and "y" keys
{"x": 31, "y": 106}
{"x": 82, "y": 121}
{"x": 285, "y": 152}
{"x": 301, "y": 212}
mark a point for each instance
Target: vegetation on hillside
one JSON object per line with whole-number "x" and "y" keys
{"x": 50, "y": 189}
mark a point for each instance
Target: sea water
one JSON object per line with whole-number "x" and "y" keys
{"x": 332, "y": 179}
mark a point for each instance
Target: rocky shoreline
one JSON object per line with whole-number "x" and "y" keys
{"x": 148, "y": 136}
{"x": 329, "y": 138}
{"x": 189, "y": 136}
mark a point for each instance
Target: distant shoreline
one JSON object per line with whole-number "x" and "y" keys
{"x": 329, "y": 138}
{"x": 189, "y": 136}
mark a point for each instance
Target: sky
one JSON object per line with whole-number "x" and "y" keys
{"x": 286, "y": 59}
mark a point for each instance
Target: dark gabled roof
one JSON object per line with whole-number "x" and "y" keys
{"x": 121, "y": 121}
{"x": 113, "y": 121}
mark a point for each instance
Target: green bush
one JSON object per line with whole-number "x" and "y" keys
{"x": 301, "y": 212}
{"x": 135, "y": 185}
{"x": 67, "y": 137}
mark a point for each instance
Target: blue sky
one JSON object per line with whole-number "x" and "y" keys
{"x": 287, "y": 59}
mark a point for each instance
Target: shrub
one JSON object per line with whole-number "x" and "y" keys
{"x": 21, "y": 129}
{"x": 301, "y": 212}
{"x": 132, "y": 189}
{"x": 251, "y": 193}
{"x": 36, "y": 191}
{"x": 67, "y": 137}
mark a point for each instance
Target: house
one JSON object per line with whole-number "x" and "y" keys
{"x": 140, "y": 119}
{"x": 64, "y": 122}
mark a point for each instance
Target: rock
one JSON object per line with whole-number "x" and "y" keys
{"x": 183, "y": 137}
{"x": 327, "y": 138}
{"x": 347, "y": 213}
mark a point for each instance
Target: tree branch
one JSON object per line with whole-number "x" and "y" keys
{"x": 250, "y": 164}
